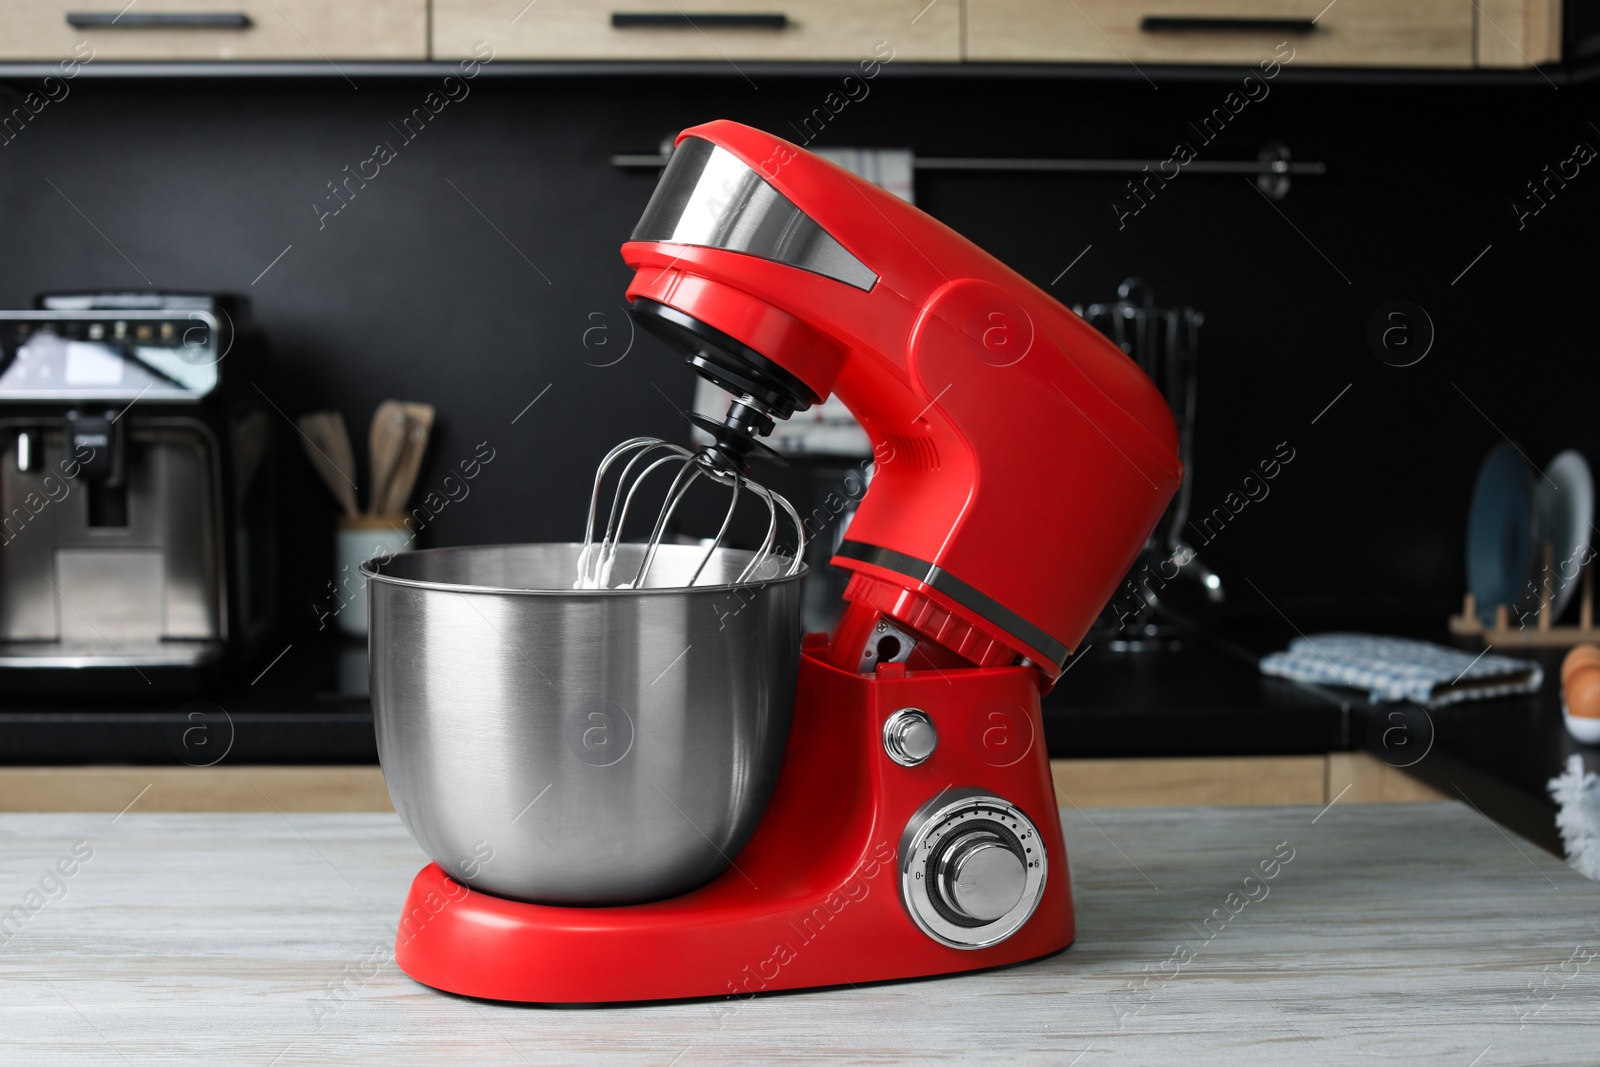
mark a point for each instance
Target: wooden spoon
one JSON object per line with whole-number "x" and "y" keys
{"x": 328, "y": 447}
{"x": 419, "y": 425}
{"x": 385, "y": 444}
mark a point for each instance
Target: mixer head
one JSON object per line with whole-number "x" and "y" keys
{"x": 708, "y": 198}
{"x": 1021, "y": 459}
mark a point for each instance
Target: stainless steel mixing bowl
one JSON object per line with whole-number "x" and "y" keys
{"x": 592, "y": 746}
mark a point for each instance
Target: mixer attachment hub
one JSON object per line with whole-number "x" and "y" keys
{"x": 734, "y": 441}
{"x": 725, "y": 361}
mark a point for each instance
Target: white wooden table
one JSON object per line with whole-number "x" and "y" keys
{"x": 1415, "y": 933}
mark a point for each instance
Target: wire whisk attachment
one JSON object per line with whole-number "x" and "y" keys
{"x": 647, "y": 455}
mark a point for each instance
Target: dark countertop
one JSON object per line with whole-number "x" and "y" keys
{"x": 308, "y": 706}
{"x": 1208, "y": 698}
{"x": 1204, "y": 698}
{"x": 1498, "y": 755}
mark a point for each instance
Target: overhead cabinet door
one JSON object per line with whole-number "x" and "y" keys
{"x": 716, "y": 31}
{"x": 213, "y": 29}
{"x": 1344, "y": 33}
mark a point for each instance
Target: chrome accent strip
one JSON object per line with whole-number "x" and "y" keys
{"x": 708, "y": 197}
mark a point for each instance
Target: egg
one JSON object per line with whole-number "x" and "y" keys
{"x": 1583, "y": 692}
{"x": 1581, "y": 656}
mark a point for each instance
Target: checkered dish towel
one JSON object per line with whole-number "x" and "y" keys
{"x": 1394, "y": 668}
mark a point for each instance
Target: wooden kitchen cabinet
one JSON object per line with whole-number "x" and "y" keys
{"x": 1205, "y": 780}
{"x": 1349, "y": 777}
{"x": 1518, "y": 33}
{"x": 1344, "y": 33}
{"x": 213, "y": 29}
{"x": 146, "y": 789}
{"x": 704, "y": 30}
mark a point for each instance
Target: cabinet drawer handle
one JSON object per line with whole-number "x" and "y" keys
{"x": 159, "y": 20}
{"x": 720, "y": 20}
{"x": 1224, "y": 24}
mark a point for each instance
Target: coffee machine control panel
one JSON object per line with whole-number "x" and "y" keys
{"x": 972, "y": 868}
{"x": 161, "y": 354}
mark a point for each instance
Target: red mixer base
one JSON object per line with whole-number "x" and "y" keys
{"x": 814, "y": 899}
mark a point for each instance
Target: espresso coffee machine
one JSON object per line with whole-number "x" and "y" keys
{"x": 135, "y": 490}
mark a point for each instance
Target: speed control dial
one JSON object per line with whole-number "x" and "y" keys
{"x": 972, "y": 869}
{"x": 981, "y": 878}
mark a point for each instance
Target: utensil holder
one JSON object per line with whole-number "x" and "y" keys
{"x": 358, "y": 539}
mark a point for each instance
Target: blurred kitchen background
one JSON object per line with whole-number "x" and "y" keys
{"x": 478, "y": 272}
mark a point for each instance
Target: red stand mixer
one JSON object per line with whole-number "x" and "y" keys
{"x": 1020, "y": 462}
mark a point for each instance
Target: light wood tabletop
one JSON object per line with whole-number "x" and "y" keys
{"x": 1415, "y": 933}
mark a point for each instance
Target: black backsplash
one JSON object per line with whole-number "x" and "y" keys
{"x": 469, "y": 270}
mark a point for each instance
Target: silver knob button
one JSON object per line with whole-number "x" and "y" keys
{"x": 981, "y": 878}
{"x": 909, "y": 737}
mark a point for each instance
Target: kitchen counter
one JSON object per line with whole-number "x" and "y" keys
{"x": 1416, "y": 933}
{"x": 1496, "y": 754}
{"x": 308, "y": 705}
{"x": 1202, "y": 698}
{"x": 1205, "y": 698}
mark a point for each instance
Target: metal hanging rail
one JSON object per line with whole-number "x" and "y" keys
{"x": 1269, "y": 167}
{"x": 1272, "y": 168}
